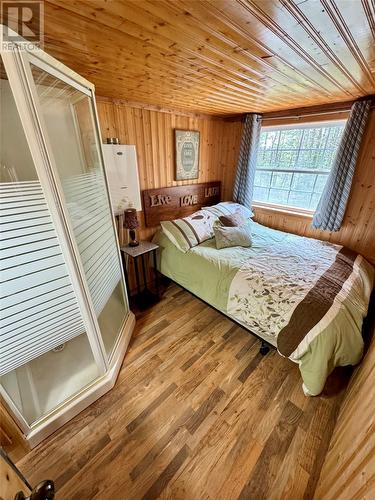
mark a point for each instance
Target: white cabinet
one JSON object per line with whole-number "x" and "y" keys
{"x": 122, "y": 175}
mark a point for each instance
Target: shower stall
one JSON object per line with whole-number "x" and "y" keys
{"x": 65, "y": 319}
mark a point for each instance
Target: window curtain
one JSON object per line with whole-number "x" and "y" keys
{"x": 244, "y": 181}
{"x": 332, "y": 204}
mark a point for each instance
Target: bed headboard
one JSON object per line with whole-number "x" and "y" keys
{"x": 179, "y": 201}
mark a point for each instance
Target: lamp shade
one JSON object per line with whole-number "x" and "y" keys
{"x": 130, "y": 218}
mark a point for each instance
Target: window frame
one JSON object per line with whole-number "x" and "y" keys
{"x": 290, "y": 209}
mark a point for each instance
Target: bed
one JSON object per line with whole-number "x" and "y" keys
{"x": 305, "y": 297}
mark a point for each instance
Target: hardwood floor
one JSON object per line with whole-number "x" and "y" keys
{"x": 197, "y": 413}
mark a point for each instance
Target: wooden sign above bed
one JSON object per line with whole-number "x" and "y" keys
{"x": 179, "y": 201}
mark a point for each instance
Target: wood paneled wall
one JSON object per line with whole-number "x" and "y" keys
{"x": 358, "y": 228}
{"x": 349, "y": 468}
{"x": 152, "y": 131}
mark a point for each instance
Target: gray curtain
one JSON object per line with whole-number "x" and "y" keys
{"x": 332, "y": 204}
{"x": 244, "y": 181}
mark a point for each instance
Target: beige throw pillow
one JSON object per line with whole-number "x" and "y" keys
{"x": 233, "y": 220}
{"x": 226, "y": 237}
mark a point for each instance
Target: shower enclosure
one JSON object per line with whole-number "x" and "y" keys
{"x": 65, "y": 319}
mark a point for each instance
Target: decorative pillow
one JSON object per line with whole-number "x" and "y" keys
{"x": 188, "y": 232}
{"x": 233, "y": 220}
{"x": 239, "y": 236}
{"x": 228, "y": 208}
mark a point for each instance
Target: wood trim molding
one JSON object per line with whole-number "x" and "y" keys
{"x": 281, "y": 209}
{"x": 162, "y": 109}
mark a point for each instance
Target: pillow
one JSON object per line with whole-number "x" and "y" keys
{"x": 232, "y": 220}
{"x": 188, "y": 232}
{"x": 228, "y": 208}
{"x": 226, "y": 237}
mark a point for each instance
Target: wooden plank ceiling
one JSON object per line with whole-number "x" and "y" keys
{"x": 218, "y": 56}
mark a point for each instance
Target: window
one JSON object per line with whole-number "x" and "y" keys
{"x": 294, "y": 162}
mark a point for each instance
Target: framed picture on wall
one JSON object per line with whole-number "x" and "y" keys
{"x": 187, "y": 154}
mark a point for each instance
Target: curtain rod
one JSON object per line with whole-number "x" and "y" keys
{"x": 307, "y": 114}
{"x": 316, "y": 113}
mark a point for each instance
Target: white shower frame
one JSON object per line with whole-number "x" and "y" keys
{"x": 17, "y": 64}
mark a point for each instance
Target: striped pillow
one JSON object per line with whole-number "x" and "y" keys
{"x": 229, "y": 208}
{"x": 190, "y": 231}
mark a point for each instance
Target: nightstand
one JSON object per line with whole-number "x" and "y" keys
{"x": 144, "y": 297}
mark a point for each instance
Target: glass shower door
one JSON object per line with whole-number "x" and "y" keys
{"x": 70, "y": 125}
{"x": 45, "y": 355}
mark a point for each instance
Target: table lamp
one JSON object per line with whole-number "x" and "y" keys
{"x": 131, "y": 223}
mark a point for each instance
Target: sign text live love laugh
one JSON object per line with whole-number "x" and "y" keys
{"x": 157, "y": 200}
